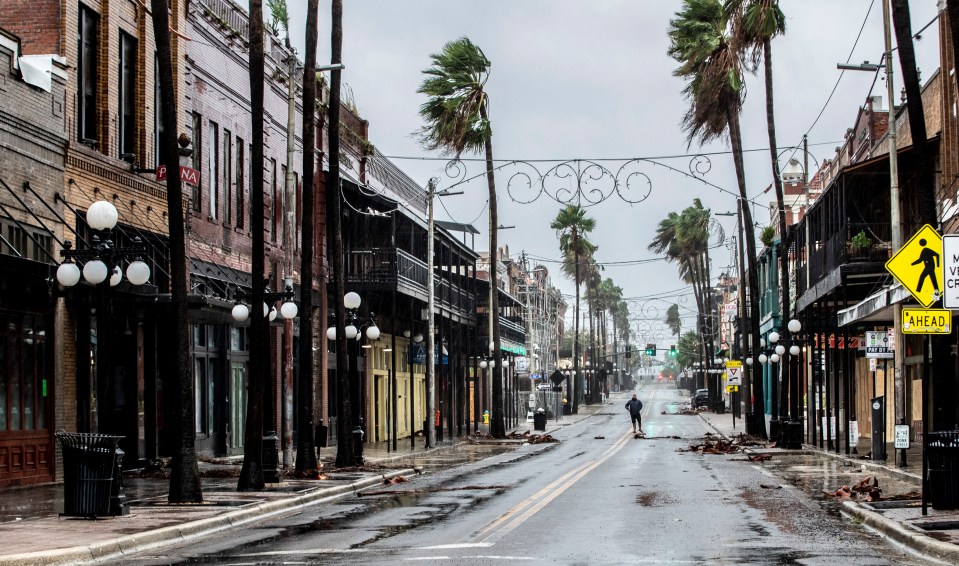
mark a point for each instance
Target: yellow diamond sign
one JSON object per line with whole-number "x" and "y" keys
{"x": 918, "y": 265}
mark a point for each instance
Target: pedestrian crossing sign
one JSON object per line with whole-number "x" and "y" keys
{"x": 918, "y": 265}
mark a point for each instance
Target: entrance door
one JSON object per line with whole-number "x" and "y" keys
{"x": 237, "y": 406}
{"x": 381, "y": 401}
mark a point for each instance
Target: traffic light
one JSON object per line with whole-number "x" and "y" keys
{"x": 650, "y": 350}
{"x": 672, "y": 351}
{"x": 629, "y": 352}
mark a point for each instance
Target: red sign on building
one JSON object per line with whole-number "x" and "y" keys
{"x": 187, "y": 174}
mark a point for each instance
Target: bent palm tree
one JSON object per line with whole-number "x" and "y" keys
{"x": 457, "y": 120}
{"x": 755, "y": 24}
{"x": 712, "y": 65}
{"x": 573, "y": 224}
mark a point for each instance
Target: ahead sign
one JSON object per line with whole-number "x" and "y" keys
{"x": 926, "y": 321}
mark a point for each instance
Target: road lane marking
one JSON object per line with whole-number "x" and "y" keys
{"x": 533, "y": 504}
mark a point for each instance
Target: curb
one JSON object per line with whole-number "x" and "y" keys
{"x": 917, "y": 542}
{"x": 119, "y": 547}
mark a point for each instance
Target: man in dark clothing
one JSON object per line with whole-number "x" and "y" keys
{"x": 635, "y": 406}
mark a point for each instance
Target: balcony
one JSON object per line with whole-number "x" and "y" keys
{"x": 384, "y": 268}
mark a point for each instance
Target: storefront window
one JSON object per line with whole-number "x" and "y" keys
{"x": 23, "y": 372}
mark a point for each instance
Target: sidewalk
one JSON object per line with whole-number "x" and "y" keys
{"x": 32, "y": 532}
{"x": 901, "y": 520}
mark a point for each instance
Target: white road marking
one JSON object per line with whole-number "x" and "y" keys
{"x": 532, "y": 505}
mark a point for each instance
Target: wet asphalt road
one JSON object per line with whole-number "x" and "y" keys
{"x": 597, "y": 497}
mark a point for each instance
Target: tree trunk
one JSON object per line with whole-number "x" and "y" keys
{"x": 781, "y": 204}
{"x": 571, "y": 385}
{"x": 498, "y": 421}
{"x": 344, "y": 420}
{"x": 305, "y": 443}
{"x": 758, "y": 401}
{"x": 251, "y": 475}
{"x": 917, "y": 121}
{"x": 184, "y": 474}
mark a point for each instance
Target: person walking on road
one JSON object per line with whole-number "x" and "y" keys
{"x": 635, "y": 406}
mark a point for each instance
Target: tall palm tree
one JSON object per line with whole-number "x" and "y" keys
{"x": 755, "y": 23}
{"x": 712, "y": 65}
{"x": 573, "y": 224}
{"x": 457, "y": 119}
{"x": 184, "y": 473}
{"x": 673, "y": 320}
{"x": 902, "y": 26}
{"x": 251, "y": 474}
{"x": 684, "y": 239}
{"x": 345, "y": 421}
{"x": 305, "y": 443}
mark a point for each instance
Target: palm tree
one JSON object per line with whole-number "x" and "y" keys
{"x": 917, "y": 122}
{"x": 305, "y": 444}
{"x": 755, "y": 24}
{"x": 457, "y": 120}
{"x": 345, "y": 421}
{"x": 572, "y": 224}
{"x": 673, "y": 320}
{"x": 251, "y": 474}
{"x": 184, "y": 473}
{"x": 712, "y": 64}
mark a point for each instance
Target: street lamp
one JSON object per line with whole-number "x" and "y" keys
{"x": 354, "y": 334}
{"x": 101, "y": 263}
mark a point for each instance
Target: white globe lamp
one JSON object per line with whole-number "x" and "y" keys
{"x": 102, "y": 215}
{"x": 794, "y": 350}
{"x": 138, "y": 272}
{"x": 351, "y": 332}
{"x": 773, "y": 337}
{"x": 331, "y": 333}
{"x": 373, "y": 332}
{"x": 774, "y": 358}
{"x": 95, "y": 272}
{"x": 780, "y": 349}
{"x": 351, "y": 300}
{"x": 763, "y": 359}
{"x": 794, "y": 326}
{"x": 68, "y": 274}
{"x": 289, "y": 310}
{"x": 116, "y": 276}
{"x": 240, "y": 312}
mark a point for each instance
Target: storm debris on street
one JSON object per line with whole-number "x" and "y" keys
{"x": 867, "y": 489}
{"x": 394, "y": 480}
{"x": 733, "y": 445}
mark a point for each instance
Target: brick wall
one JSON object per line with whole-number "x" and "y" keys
{"x": 37, "y": 23}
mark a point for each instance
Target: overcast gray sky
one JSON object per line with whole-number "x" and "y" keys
{"x": 591, "y": 80}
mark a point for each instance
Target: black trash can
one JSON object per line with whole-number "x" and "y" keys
{"x": 567, "y": 409}
{"x": 944, "y": 469}
{"x": 322, "y": 435}
{"x": 792, "y": 435}
{"x": 539, "y": 420}
{"x": 89, "y": 473}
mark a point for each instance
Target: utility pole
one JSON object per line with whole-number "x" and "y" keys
{"x": 288, "y": 239}
{"x": 899, "y": 389}
{"x": 431, "y": 193}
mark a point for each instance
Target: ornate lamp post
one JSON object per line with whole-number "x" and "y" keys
{"x": 288, "y": 311}
{"x": 101, "y": 268}
{"x": 354, "y": 334}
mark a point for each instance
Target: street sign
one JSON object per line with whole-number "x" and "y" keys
{"x": 187, "y": 174}
{"x": 901, "y": 436}
{"x": 950, "y": 271}
{"x": 926, "y": 321}
{"x": 853, "y": 434}
{"x": 732, "y": 389}
{"x": 734, "y": 372}
{"x": 877, "y": 345}
{"x": 918, "y": 265}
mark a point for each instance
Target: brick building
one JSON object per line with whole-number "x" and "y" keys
{"x": 108, "y": 363}
{"x": 32, "y": 148}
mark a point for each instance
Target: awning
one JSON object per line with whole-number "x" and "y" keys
{"x": 878, "y": 307}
